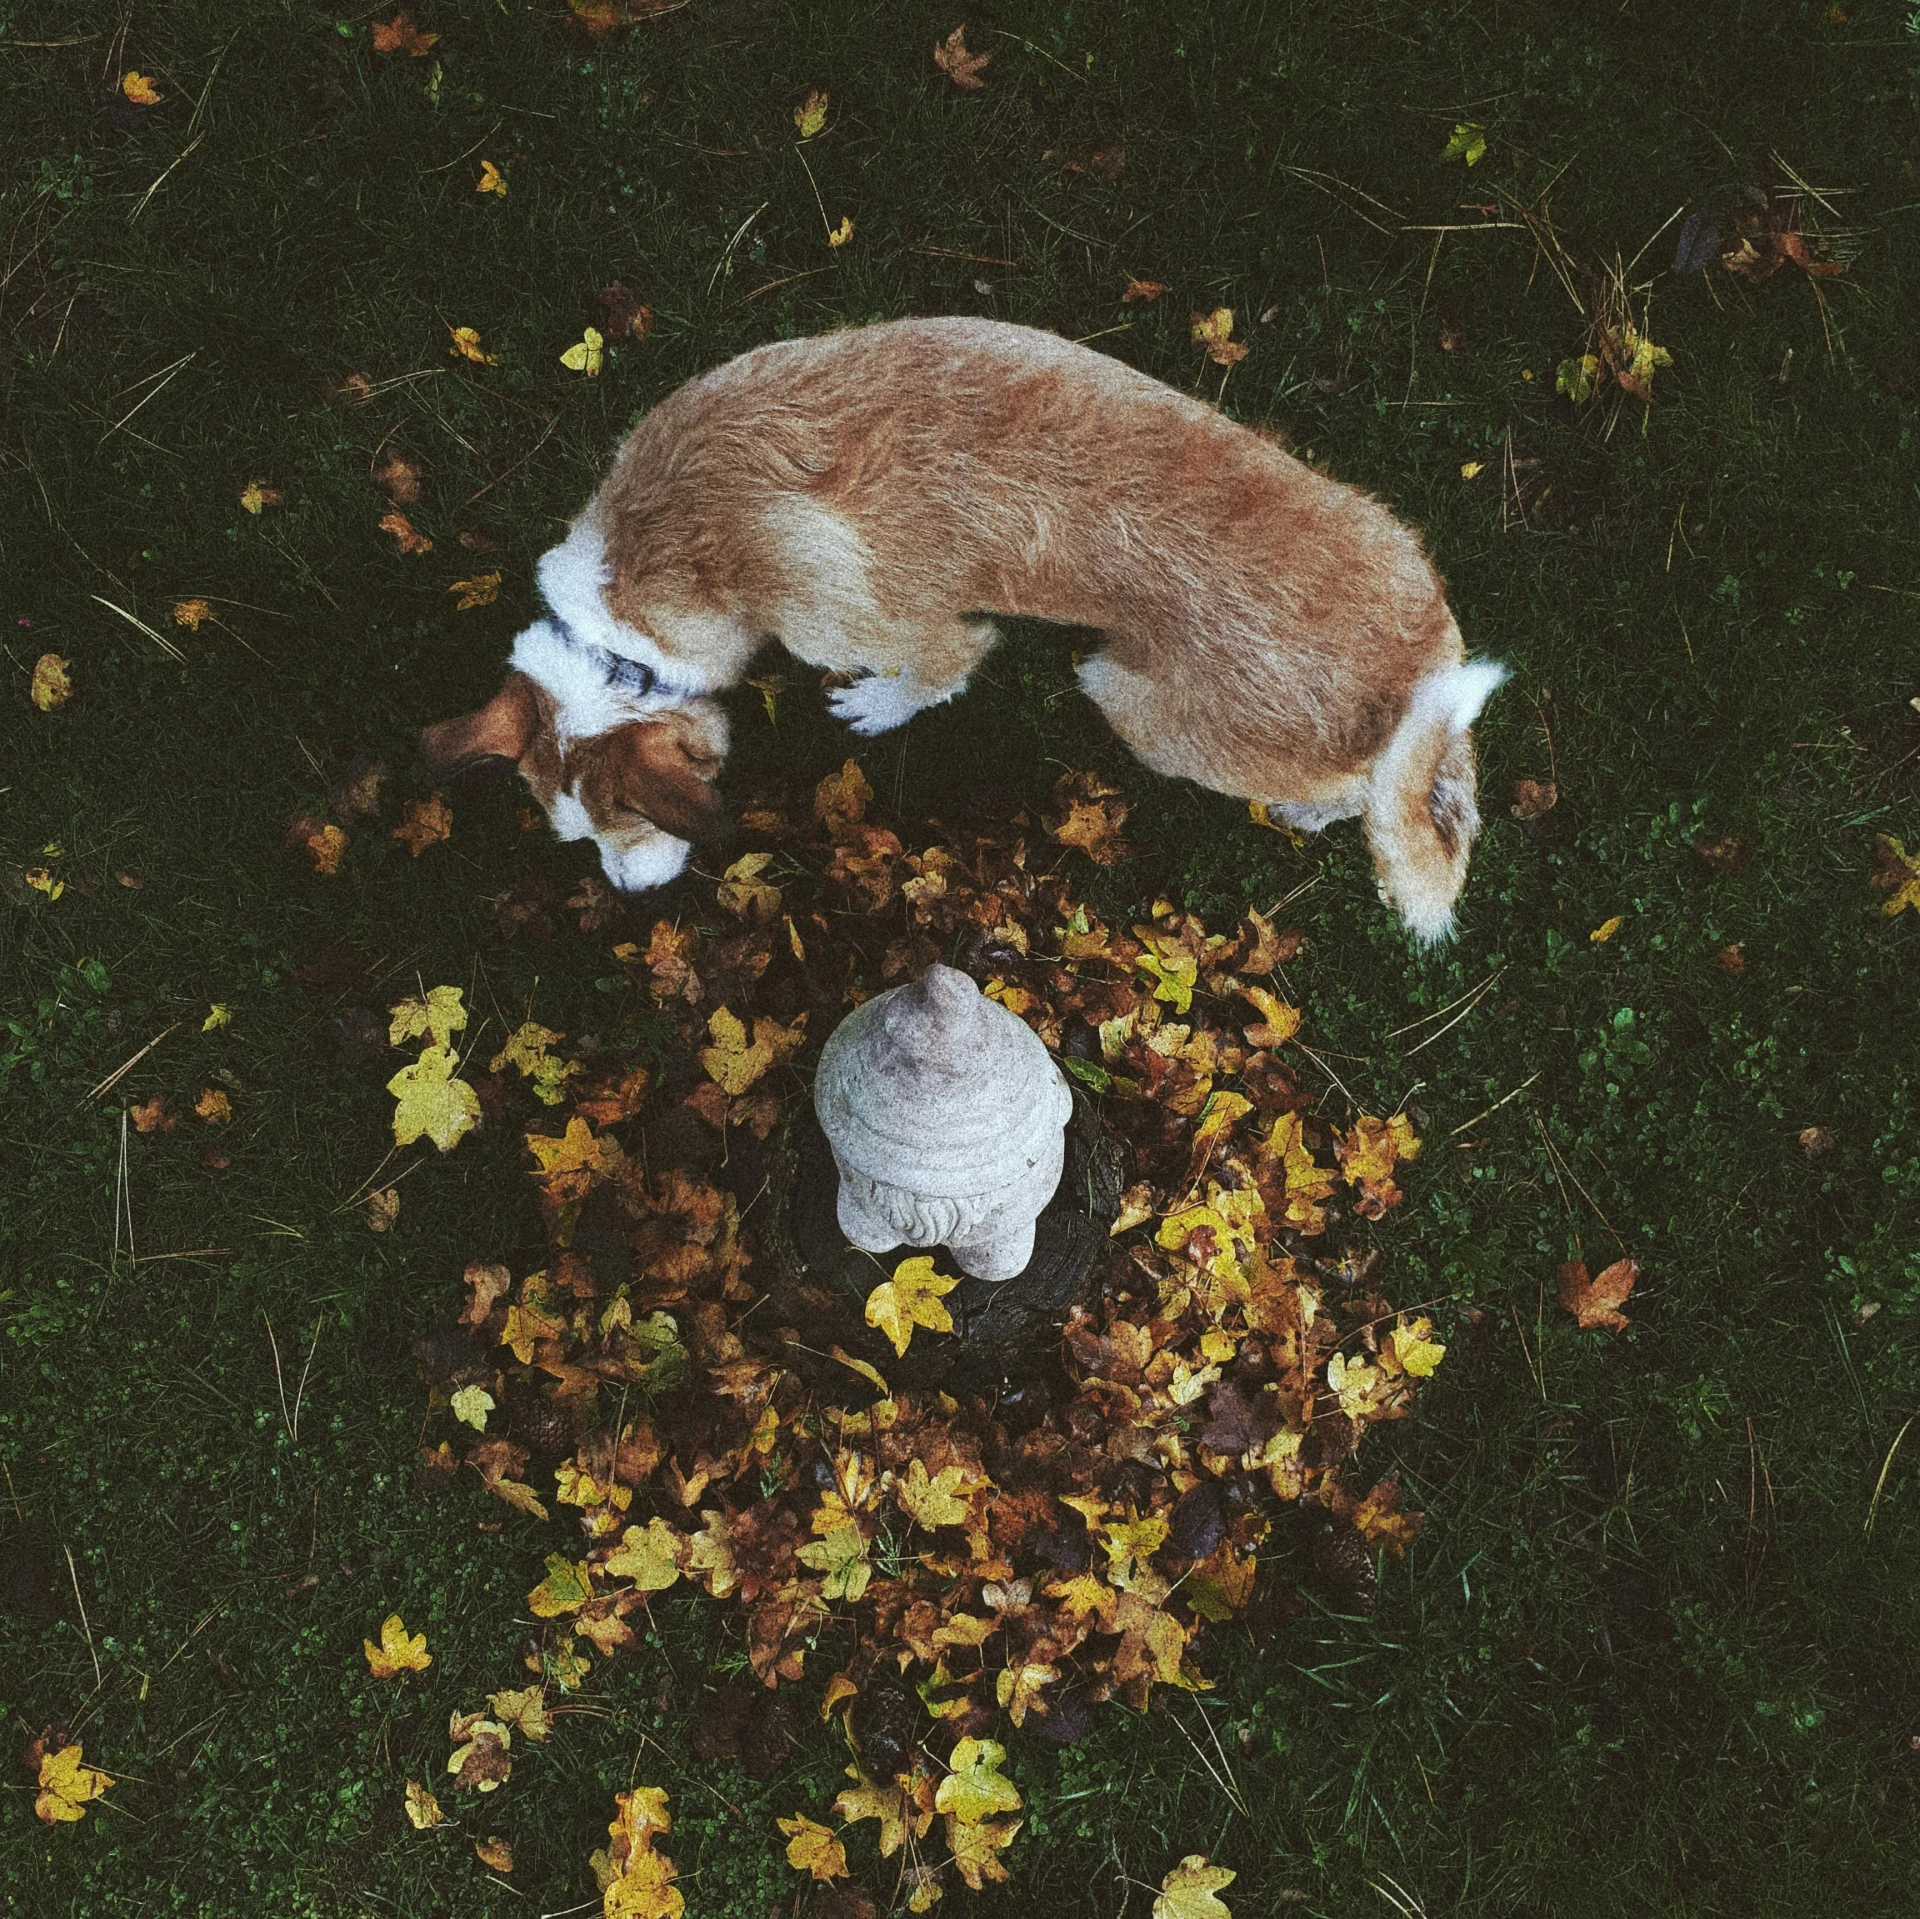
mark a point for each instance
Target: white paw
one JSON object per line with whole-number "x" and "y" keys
{"x": 878, "y": 703}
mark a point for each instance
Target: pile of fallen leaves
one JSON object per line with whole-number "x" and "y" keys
{"x": 1190, "y": 1443}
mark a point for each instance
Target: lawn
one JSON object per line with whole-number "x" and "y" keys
{"x": 1656, "y": 1647}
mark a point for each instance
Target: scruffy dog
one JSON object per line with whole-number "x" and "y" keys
{"x": 873, "y": 498}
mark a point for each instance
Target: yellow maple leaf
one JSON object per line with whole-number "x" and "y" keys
{"x": 51, "y": 685}
{"x": 217, "y": 1017}
{"x": 566, "y": 1588}
{"x": 649, "y": 1555}
{"x": 811, "y": 114}
{"x": 744, "y": 894}
{"x": 1187, "y": 1892}
{"x": 585, "y": 355}
{"x": 812, "y": 1848}
{"x": 575, "y": 1161}
{"x": 1018, "y": 1689}
{"x": 398, "y": 1650}
{"x": 933, "y": 1499}
{"x": 1468, "y": 142}
{"x": 1363, "y": 1389}
{"x": 41, "y": 879}
{"x": 432, "y": 1104}
{"x": 842, "y": 1556}
{"x": 1896, "y": 873}
{"x": 471, "y": 1405}
{"x": 974, "y": 1787}
{"x": 1415, "y": 1352}
{"x": 733, "y": 1062}
{"x": 1174, "y": 975}
{"x": 525, "y": 1711}
{"x": 66, "y": 1786}
{"x": 466, "y": 346}
{"x": 439, "y": 1013}
{"x": 975, "y": 1846}
{"x": 911, "y": 1298}
{"x": 213, "y": 1106}
{"x": 423, "y": 1809}
{"x": 424, "y": 823}
{"x": 257, "y": 495}
{"x": 840, "y": 235}
{"x": 1278, "y": 1021}
{"x": 492, "y": 180}
{"x": 1213, "y": 331}
{"x": 189, "y": 613}
{"x": 139, "y": 88}
{"x": 482, "y": 590}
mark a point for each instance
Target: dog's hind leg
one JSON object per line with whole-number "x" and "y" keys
{"x": 939, "y": 662}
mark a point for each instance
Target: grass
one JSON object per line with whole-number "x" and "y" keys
{"x": 1648, "y": 1655}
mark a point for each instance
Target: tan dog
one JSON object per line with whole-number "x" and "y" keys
{"x": 871, "y": 498}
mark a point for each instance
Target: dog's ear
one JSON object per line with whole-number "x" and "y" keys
{"x": 658, "y": 768}
{"x": 500, "y": 730}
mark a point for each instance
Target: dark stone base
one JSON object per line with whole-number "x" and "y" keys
{"x": 1004, "y": 1331}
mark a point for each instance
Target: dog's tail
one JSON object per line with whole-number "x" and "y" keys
{"x": 1419, "y": 808}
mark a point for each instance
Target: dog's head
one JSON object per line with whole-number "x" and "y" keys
{"x": 640, "y": 790}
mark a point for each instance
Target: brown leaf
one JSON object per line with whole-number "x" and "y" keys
{"x": 626, "y": 314}
{"x": 1725, "y": 854}
{"x": 402, "y": 530}
{"x": 1596, "y": 1301}
{"x": 398, "y": 477}
{"x": 424, "y": 823}
{"x": 960, "y": 66}
{"x": 400, "y": 35}
{"x": 1531, "y": 798}
{"x": 152, "y": 1116}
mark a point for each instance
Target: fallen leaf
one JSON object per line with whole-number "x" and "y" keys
{"x": 383, "y": 1208}
{"x": 1148, "y": 290}
{"x": 492, "y": 180}
{"x": 960, "y": 66}
{"x": 257, "y": 495}
{"x": 41, "y": 879}
{"x": 1896, "y": 873}
{"x": 213, "y": 1106}
{"x": 139, "y": 89}
{"x": 400, "y": 35}
{"x": 471, "y": 1405}
{"x": 1816, "y": 1140}
{"x": 327, "y": 844}
{"x": 933, "y": 1499}
{"x": 975, "y": 1846}
{"x": 585, "y": 355}
{"x": 841, "y": 234}
{"x": 66, "y": 1786}
{"x": 495, "y": 1852}
{"x": 398, "y": 1651}
{"x": 424, "y": 823}
{"x": 423, "y": 1809}
{"x": 189, "y": 613}
{"x": 566, "y": 1588}
{"x": 1606, "y": 929}
{"x": 1596, "y": 1301}
{"x": 1468, "y": 468}
{"x": 432, "y": 1104}
{"x": 402, "y": 530}
{"x": 482, "y": 590}
{"x": 812, "y": 1848}
{"x": 466, "y": 346}
{"x": 1577, "y": 377}
{"x": 811, "y": 114}
{"x": 1467, "y": 142}
{"x": 152, "y": 1116}
{"x": 734, "y": 1062}
{"x": 910, "y": 1298}
{"x": 439, "y": 1014}
{"x": 525, "y": 1711}
{"x": 1531, "y": 798}
{"x": 481, "y": 1762}
{"x": 1187, "y": 1892}
{"x": 1731, "y": 959}
{"x": 51, "y": 685}
{"x": 217, "y": 1018}
{"x": 975, "y": 1786}
{"x": 1211, "y": 330}
{"x": 627, "y": 315}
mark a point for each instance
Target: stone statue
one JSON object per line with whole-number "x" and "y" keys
{"x": 947, "y": 1120}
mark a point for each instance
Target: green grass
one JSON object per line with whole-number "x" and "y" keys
{"x": 1645, "y": 1656}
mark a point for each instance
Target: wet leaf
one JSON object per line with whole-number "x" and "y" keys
{"x": 975, "y": 1787}
{"x": 911, "y": 1298}
{"x": 1188, "y": 1891}
{"x": 398, "y": 1651}
{"x": 585, "y": 355}
{"x": 431, "y": 1103}
{"x": 1467, "y": 142}
{"x": 67, "y": 1786}
{"x": 812, "y": 1848}
{"x": 51, "y": 685}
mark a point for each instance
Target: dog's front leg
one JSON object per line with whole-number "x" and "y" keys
{"x": 878, "y": 702}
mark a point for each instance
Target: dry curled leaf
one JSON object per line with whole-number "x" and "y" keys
{"x": 402, "y": 530}
{"x": 1213, "y": 331}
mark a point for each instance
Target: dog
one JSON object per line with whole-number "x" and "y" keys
{"x": 874, "y": 498}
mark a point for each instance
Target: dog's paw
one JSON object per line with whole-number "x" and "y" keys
{"x": 878, "y": 703}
